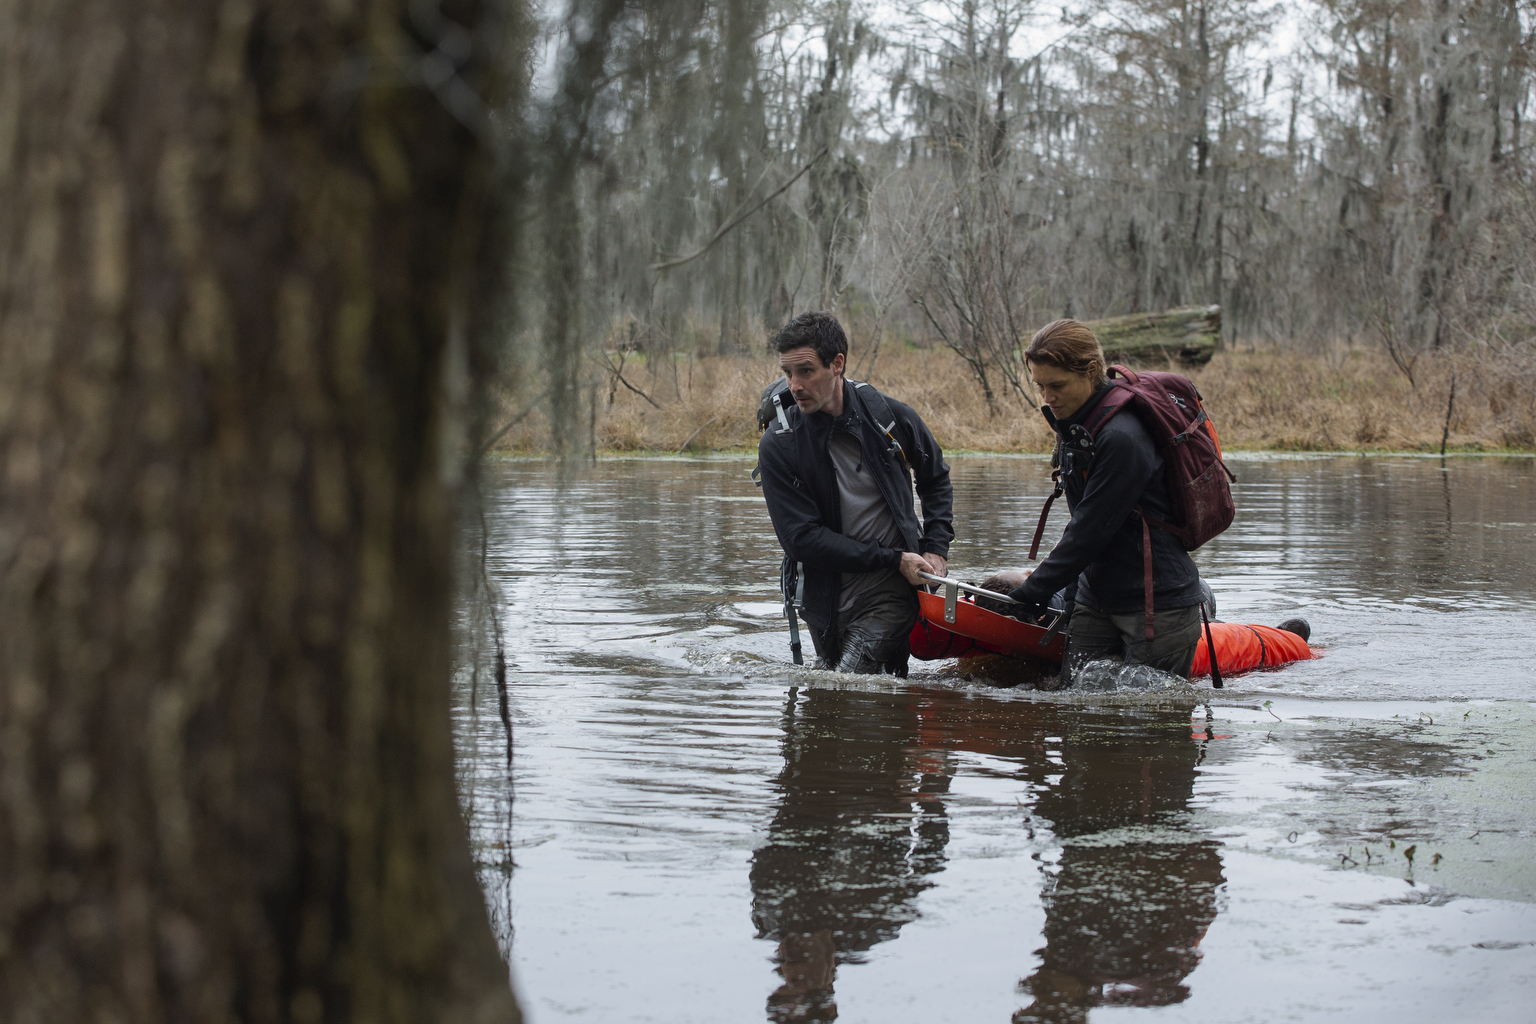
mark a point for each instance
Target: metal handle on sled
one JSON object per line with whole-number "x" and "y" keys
{"x": 952, "y": 590}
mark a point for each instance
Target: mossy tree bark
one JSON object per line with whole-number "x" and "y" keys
{"x": 230, "y": 249}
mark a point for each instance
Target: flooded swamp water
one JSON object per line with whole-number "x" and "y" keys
{"x": 701, "y": 831}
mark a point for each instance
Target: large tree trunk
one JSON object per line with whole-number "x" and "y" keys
{"x": 228, "y": 245}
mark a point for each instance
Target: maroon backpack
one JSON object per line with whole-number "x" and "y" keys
{"x": 1169, "y": 407}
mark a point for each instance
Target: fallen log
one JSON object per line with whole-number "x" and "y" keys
{"x": 1188, "y": 335}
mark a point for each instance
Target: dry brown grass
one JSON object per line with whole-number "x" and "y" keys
{"x": 1349, "y": 400}
{"x": 1358, "y": 401}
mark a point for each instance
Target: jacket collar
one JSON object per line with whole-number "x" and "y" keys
{"x": 822, "y": 423}
{"x": 1086, "y": 410}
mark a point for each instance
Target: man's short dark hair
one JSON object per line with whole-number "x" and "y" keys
{"x": 820, "y": 331}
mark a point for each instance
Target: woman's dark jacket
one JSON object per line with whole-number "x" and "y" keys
{"x": 1100, "y": 549}
{"x": 800, "y": 486}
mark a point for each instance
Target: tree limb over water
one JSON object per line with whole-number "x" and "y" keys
{"x": 725, "y": 229}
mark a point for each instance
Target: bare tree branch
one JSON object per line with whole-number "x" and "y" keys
{"x": 725, "y": 229}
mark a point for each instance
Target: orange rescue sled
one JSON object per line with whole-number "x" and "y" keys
{"x": 1239, "y": 647}
{"x": 975, "y": 631}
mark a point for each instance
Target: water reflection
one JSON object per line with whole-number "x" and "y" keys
{"x": 648, "y": 672}
{"x": 860, "y": 828}
{"x": 1135, "y": 889}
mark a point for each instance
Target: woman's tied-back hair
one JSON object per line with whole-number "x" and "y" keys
{"x": 1070, "y": 345}
{"x": 820, "y": 331}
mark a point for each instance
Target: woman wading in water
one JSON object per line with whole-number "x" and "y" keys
{"x": 1099, "y": 560}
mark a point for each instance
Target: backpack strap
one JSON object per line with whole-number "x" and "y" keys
{"x": 1113, "y": 402}
{"x": 1210, "y": 649}
{"x": 1117, "y": 399}
{"x": 784, "y": 428}
{"x": 778, "y": 408}
{"x": 1146, "y": 569}
{"x": 1181, "y": 437}
{"x": 790, "y": 607}
{"x": 1034, "y": 545}
{"x": 880, "y": 409}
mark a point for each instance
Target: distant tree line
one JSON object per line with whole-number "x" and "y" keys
{"x": 960, "y": 171}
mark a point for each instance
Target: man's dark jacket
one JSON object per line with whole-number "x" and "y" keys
{"x": 1100, "y": 550}
{"x": 800, "y": 486}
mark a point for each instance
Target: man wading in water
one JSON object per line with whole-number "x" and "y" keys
{"x": 1099, "y": 557}
{"x": 837, "y": 474}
